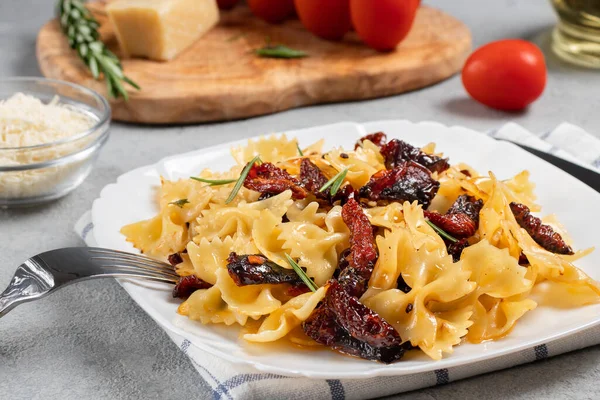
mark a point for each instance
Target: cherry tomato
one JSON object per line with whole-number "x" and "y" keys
{"x": 272, "y": 11}
{"x": 329, "y": 19}
{"x": 226, "y": 4}
{"x": 507, "y": 74}
{"x": 382, "y": 24}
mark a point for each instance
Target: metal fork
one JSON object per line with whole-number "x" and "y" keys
{"x": 49, "y": 271}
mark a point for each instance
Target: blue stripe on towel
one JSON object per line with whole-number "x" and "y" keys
{"x": 541, "y": 352}
{"x": 337, "y": 389}
{"x": 442, "y": 377}
{"x": 596, "y": 162}
{"x": 87, "y": 230}
{"x": 224, "y": 388}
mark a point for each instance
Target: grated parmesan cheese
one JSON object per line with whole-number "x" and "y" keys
{"x": 26, "y": 121}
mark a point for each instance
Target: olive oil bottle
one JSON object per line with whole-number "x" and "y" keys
{"x": 576, "y": 38}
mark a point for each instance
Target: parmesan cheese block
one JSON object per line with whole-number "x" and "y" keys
{"x": 160, "y": 29}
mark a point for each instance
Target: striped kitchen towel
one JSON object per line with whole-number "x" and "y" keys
{"x": 230, "y": 381}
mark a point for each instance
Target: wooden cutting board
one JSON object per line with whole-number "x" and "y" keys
{"x": 219, "y": 78}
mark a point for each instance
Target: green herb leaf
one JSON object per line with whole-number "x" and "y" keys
{"x": 299, "y": 150}
{"x": 214, "y": 182}
{"x": 305, "y": 278}
{"x": 180, "y": 203}
{"x": 241, "y": 179}
{"x": 335, "y": 183}
{"x": 81, "y": 29}
{"x": 441, "y": 232}
{"x": 279, "y": 51}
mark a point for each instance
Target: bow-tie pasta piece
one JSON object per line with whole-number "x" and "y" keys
{"x": 208, "y": 307}
{"x": 496, "y": 273}
{"x": 494, "y": 318}
{"x": 289, "y": 316}
{"x": 309, "y": 213}
{"x": 158, "y": 236}
{"x": 420, "y": 317}
{"x": 222, "y": 221}
{"x": 493, "y": 217}
{"x": 274, "y": 148}
{"x": 253, "y": 300}
{"x": 389, "y": 216}
{"x": 208, "y": 256}
{"x": 395, "y": 248}
{"x": 361, "y": 163}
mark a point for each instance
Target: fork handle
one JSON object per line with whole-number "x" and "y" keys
{"x": 7, "y": 302}
{"x": 30, "y": 282}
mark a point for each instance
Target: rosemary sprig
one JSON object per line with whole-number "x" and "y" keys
{"x": 81, "y": 29}
{"x": 441, "y": 232}
{"x": 214, "y": 182}
{"x": 180, "y": 203}
{"x": 242, "y": 178}
{"x": 279, "y": 51}
{"x": 305, "y": 278}
{"x": 335, "y": 183}
{"x": 299, "y": 150}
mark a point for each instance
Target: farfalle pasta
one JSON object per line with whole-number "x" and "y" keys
{"x": 371, "y": 251}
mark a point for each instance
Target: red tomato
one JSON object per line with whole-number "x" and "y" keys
{"x": 272, "y": 11}
{"x": 382, "y": 24}
{"x": 329, "y": 19}
{"x": 507, "y": 74}
{"x": 227, "y": 4}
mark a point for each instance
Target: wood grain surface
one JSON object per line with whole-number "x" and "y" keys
{"x": 219, "y": 78}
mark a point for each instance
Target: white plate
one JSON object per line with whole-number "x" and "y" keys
{"x": 132, "y": 199}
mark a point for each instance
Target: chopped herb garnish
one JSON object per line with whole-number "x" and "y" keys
{"x": 335, "y": 183}
{"x": 441, "y": 232}
{"x": 309, "y": 282}
{"x": 214, "y": 182}
{"x": 242, "y": 178}
{"x": 180, "y": 203}
{"x": 279, "y": 51}
{"x": 299, "y": 150}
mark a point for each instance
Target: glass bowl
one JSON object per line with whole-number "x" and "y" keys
{"x": 37, "y": 174}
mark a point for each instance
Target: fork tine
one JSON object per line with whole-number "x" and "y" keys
{"x": 129, "y": 256}
{"x": 117, "y": 269}
{"x": 130, "y": 268}
{"x": 140, "y": 264}
{"x": 157, "y": 278}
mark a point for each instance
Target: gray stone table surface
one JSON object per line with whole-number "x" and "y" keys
{"x": 91, "y": 341}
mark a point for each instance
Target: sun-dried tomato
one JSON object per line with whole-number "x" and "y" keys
{"x": 396, "y": 152}
{"x": 543, "y": 235}
{"x": 358, "y": 265}
{"x": 360, "y": 321}
{"x": 346, "y": 325}
{"x": 455, "y": 249}
{"x": 186, "y": 285}
{"x": 313, "y": 179}
{"x": 256, "y": 270}
{"x": 345, "y": 193}
{"x": 297, "y": 289}
{"x": 268, "y": 179}
{"x": 362, "y": 241}
{"x": 175, "y": 259}
{"x": 407, "y": 182}
{"x": 461, "y": 220}
{"x": 379, "y": 139}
